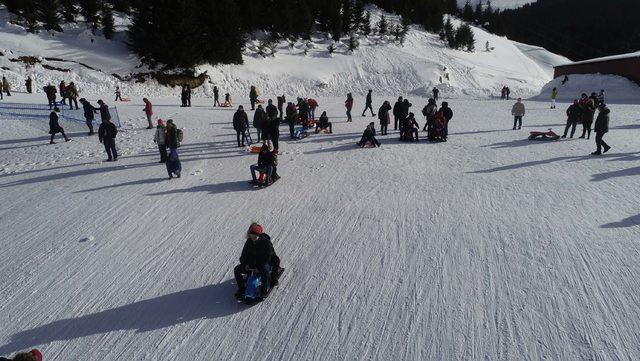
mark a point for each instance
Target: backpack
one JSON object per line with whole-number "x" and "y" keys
{"x": 179, "y": 135}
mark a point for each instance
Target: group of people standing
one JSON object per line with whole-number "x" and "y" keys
{"x": 436, "y": 121}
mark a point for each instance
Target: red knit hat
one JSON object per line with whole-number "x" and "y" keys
{"x": 256, "y": 229}
{"x": 37, "y": 354}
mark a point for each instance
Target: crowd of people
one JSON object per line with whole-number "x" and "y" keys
{"x": 581, "y": 111}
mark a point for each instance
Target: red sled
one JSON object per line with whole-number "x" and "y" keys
{"x": 549, "y": 135}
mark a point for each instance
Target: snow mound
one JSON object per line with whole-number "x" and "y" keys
{"x": 617, "y": 89}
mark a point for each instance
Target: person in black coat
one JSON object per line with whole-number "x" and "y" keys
{"x": 216, "y": 96}
{"x": 107, "y": 136}
{"x": 272, "y": 110}
{"x": 324, "y": 123}
{"x": 89, "y": 111}
{"x": 368, "y": 104}
{"x": 267, "y": 163}
{"x": 259, "y": 120}
{"x": 273, "y": 125}
{"x": 240, "y": 125}
{"x": 573, "y": 117}
{"x": 258, "y": 256}
{"x": 173, "y": 164}
{"x": 104, "y": 111}
{"x": 369, "y": 135}
{"x": 396, "y": 113}
{"x": 54, "y": 125}
{"x": 448, "y": 115}
{"x": 404, "y": 112}
{"x": 303, "y": 112}
{"x": 383, "y": 116}
{"x": 601, "y": 127}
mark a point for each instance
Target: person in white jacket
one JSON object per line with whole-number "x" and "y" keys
{"x": 518, "y": 112}
{"x": 160, "y": 138}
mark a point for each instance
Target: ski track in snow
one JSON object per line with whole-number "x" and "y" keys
{"x": 488, "y": 247}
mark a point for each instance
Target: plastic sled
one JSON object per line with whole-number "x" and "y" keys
{"x": 300, "y": 133}
{"x": 255, "y": 149}
{"x": 252, "y": 293}
{"x": 549, "y": 135}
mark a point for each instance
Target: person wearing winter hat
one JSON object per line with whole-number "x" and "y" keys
{"x": 258, "y": 256}
{"x": 33, "y": 355}
{"x": 160, "y": 138}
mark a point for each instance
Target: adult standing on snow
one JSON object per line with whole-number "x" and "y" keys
{"x": 104, "y": 111}
{"x": 368, "y": 104}
{"x": 349, "y": 105}
{"x": 303, "y": 112}
{"x": 148, "y": 111}
{"x": 404, "y": 113}
{"x": 573, "y": 117}
{"x": 430, "y": 111}
{"x": 89, "y": 111}
{"x": 72, "y": 94}
{"x": 253, "y": 97}
{"x": 282, "y": 100}
{"x": 259, "y": 120}
{"x": 29, "y": 85}
{"x": 173, "y": 161}
{"x": 448, "y": 115}
{"x": 54, "y": 125}
{"x": 517, "y": 111}
{"x": 118, "y": 94}
{"x": 383, "y": 116}
{"x": 216, "y": 96}
{"x": 601, "y": 128}
{"x": 313, "y": 105}
{"x": 63, "y": 91}
{"x": 188, "y": 95}
{"x": 601, "y": 97}
{"x": 107, "y": 136}
{"x": 436, "y": 93}
{"x": 50, "y": 91}
{"x": 160, "y": 138}
{"x": 240, "y": 125}
{"x": 258, "y": 256}
{"x": 396, "y": 113}
{"x": 6, "y": 86}
{"x": 292, "y": 116}
{"x": 587, "y": 113}
{"x": 554, "y": 96}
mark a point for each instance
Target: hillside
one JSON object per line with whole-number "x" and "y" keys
{"x": 379, "y": 63}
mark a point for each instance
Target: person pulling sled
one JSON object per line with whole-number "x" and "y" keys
{"x": 259, "y": 266}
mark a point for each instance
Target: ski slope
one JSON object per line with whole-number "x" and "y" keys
{"x": 487, "y": 247}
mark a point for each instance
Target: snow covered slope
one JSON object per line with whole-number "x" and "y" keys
{"x": 487, "y": 247}
{"x": 380, "y": 64}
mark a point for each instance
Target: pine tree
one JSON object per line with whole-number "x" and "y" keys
{"x": 48, "y": 14}
{"x": 335, "y": 19}
{"x": 449, "y": 33}
{"x": 29, "y": 13}
{"x": 366, "y": 24}
{"x": 488, "y": 13}
{"x": 106, "y": 18}
{"x": 357, "y": 16}
{"x": 382, "y": 26}
{"x": 353, "y": 43}
{"x": 69, "y": 10}
{"x": 13, "y": 6}
{"x": 347, "y": 16}
{"x": 89, "y": 10}
{"x": 478, "y": 15}
{"x": 467, "y": 12}
{"x": 464, "y": 38}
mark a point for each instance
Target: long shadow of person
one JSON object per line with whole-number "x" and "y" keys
{"x": 210, "y": 301}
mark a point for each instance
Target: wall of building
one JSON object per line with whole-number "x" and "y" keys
{"x": 628, "y": 68}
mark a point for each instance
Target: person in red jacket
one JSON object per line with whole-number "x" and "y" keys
{"x": 33, "y": 355}
{"x": 148, "y": 110}
{"x": 349, "y": 105}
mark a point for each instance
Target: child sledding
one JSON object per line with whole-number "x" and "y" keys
{"x": 368, "y": 139}
{"x": 266, "y": 167}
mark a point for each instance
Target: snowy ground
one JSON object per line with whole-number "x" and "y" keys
{"x": 488, "y": 247}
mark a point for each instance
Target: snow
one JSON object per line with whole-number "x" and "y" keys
{"x": 617, "y": 89}
{"x": 487, "y": 247}
{"x": 379, "y": 63}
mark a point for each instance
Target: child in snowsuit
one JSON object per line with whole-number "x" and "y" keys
{"x": 369, "y": 136}
{"x": 258, "y": 256}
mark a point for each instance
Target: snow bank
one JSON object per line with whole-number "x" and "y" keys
{"x": 617, "y": 89}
